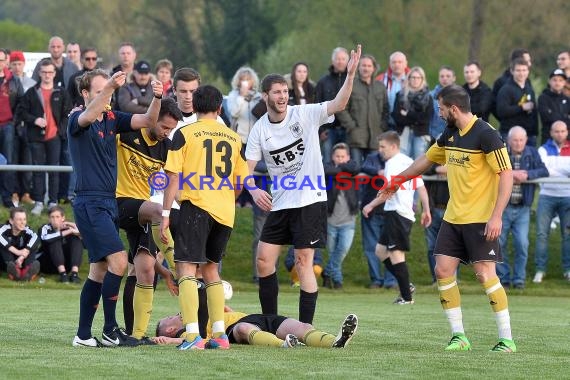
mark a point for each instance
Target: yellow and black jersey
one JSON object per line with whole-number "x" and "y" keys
{"x": 206, "y": 157}
{"x": 138, "y": 157}
{"x": 473, "y": 157}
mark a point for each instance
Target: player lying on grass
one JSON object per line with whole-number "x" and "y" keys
{"x": 263, "y": 330}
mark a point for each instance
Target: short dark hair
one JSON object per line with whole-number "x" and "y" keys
{"x": 185, "y": 74}
{"x": 46, "y": 62}
{"x": 455, "y": 95}
{"x": 518, "y": 62}
{"x": 169, "y": 107}
{"x": 55, "y": 208}
{"x": 88, "y": 50}
{"x": 518, "y": 53}
{"x": 207, "y": 99}
{"x": 391, "y": 136}
{"x": 270, "y": 79}
{"x": 15, "y": 210}
{"x": 473, "y": 62}
{"x": 86, "y": 79}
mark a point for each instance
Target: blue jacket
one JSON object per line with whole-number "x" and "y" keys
{"x": 532, "y": 163}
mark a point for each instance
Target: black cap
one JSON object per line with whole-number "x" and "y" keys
{"x": 142, "y": 67}
{"x": 558, "y": 72}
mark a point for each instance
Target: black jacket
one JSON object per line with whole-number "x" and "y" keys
{"x": 552, "y": 107}
{"x": 351, "y": 168}
{"x": 481, "y": 100}
{"x": 31, "y": 107}
{"x": 371, "y": 165}
{"x": 510, "y": 112}
{"x": 420, "y": 111}
{"x": 327, "y": 88}
{"x": 310, "y": 93}
{"x": 26, "y": 239}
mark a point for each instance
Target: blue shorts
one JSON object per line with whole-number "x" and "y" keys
{"x": 98, "y": 221}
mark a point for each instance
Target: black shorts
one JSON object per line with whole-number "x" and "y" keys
{"x": 396, "y": 232}
{"x": 467, "y": 243}
{"x": 199, "y": 237}
{"x": 304, "y": 227}
{"x": 139, "y": 237}
{"x": 266, "y": 322}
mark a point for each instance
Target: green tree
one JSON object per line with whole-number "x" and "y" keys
{"x": 22, "y": 36}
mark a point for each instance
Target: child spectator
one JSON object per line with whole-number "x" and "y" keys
{"x": 61, "y": 244}
{"x": 342, "y": 207}
{"x": 290, "y": 265}
{"x": 18, "y": 246}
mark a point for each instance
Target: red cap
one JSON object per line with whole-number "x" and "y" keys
{"x": 17, "y": 56}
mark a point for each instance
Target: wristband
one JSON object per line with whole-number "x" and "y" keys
{"x": 158, "y": 97}
{"x": 166, "y": 213}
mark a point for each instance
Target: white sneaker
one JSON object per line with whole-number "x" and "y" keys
{"x": 38, "y": 208}
{"x": 290, "y": 341}
{"x": 538, "y": 277}
{"x": 567, "y": 275}
{"x": 91, "y": 342}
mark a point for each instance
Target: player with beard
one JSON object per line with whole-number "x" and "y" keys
{"x": 141, "y": 155}
{"x": 480, "y": 181}
{"x": 287, "y": 138}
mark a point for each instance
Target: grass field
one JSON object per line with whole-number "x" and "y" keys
{"x": 38, "y": 322}
{"x": 392, "y": 342}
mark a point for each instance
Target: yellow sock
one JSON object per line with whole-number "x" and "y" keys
{"x": 449, "y": 293}
{"x": 496, "y": 293}
{"x": 216, "y": 302}
{"x": 166, "y": 249}
{"x": 188, "y": 300}
{"x": 499, "y": 303}
{"x": 142, "y": 304}
{"x": 316, "y": 338}
{"x": 262, "y": 338}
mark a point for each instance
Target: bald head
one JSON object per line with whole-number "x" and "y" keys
{"x": 559, "y": 132}
{"x": 56, "y": 47}
{"x": 517, "y": 139}
{"x": 398, "y": 63}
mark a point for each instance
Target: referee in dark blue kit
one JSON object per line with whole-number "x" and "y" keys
{"x": 92, "y": 137}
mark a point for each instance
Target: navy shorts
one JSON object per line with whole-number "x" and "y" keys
{"x": 98, "y": 221}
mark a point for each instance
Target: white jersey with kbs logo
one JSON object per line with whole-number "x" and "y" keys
{"x": 292, "y": 152}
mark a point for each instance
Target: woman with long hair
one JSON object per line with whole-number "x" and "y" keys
{"x": 413, "y": 109}
{"x": 301, "y": 91}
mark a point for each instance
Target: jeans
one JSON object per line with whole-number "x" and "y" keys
{"x": 516, "y": 219}
{"x": 334, "y": 136}
{"x": 431, "y": 237}
{"x": 371, "y": 230}
{"x": 23, "y": 156}
{"x": 46, "y": 153}
{"x": 339, "y": 240}
{"x": 7, "y": 179}
{"x": 547, "y": 208}
{"x": 358, "y": 155}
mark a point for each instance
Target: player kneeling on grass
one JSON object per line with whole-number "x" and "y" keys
{"x": 263, "y": 330}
